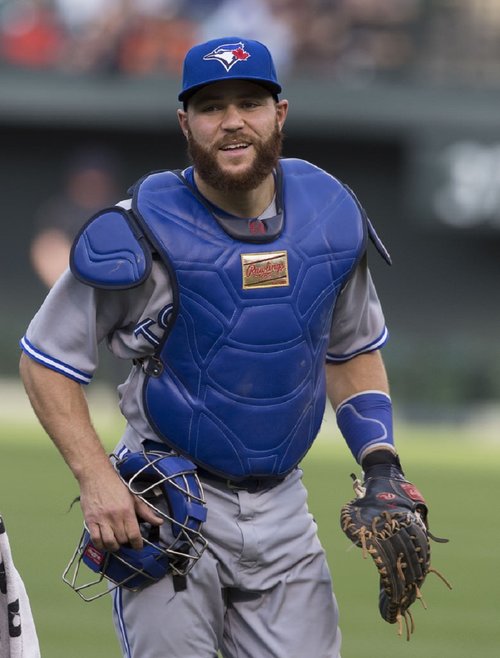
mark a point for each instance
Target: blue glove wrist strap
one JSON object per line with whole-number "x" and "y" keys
{"x": 365, "y": 420}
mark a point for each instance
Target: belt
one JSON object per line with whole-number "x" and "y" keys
{"x": 250, "y": 484}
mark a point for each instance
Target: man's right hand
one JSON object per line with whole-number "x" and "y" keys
{"x": 110, "y": 512}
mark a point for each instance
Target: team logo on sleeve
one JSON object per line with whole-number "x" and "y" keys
{"x": 265, "y": 270}
{"x": 229, "y": 54}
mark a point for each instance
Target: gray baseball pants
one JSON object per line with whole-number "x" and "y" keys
{"x": 261, "y": 590}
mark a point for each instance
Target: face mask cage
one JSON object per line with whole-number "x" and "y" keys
{"x": 168, "y": 484}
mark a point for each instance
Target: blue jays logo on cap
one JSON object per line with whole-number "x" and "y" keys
{"x": 229, "y": 54}
{"x": 228, "y": 58}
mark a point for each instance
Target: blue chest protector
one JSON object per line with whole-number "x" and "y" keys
{"x": 238, "y": 381}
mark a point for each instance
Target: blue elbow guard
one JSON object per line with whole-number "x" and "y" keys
{"x": 365, "y": 420}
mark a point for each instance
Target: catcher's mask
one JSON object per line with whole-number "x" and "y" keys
{"x": 170, "y": 486}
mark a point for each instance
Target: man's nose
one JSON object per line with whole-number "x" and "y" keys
{"x": 232, "y": 119}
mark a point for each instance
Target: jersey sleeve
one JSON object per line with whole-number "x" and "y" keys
{"x": 75, "y": 318}
{"x": 62, "y": 336}
{"x": 358, "y": 323}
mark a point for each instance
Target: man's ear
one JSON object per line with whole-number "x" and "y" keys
{"x": 183, "y": 121}
{"x": 281, "y": 112}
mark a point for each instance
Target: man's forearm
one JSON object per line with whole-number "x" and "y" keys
{"x": 62, "y": 409}
{"x": 365, "y": 372}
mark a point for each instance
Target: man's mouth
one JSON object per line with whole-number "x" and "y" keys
{"x": 234, "y": 147}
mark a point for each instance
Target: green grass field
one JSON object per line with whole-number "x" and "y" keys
{"x": 458, "y": 474}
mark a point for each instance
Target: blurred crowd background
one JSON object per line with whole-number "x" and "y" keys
{"x": 435, "y": 40}
{"x": 397, "y": 98}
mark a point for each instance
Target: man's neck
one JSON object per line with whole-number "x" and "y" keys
{"x": 241, "y": 204}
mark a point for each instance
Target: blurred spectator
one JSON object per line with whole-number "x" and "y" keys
{"x": 131, "y": 37}
{"x": 79, "y": 15}
{"x": 260, "y": 21}
{"x": 319, "y": 30}
{"x": 95, "y": 29}
{"x": 462, "y": 43}
{"x": 156, "y": 38}
{"x": 91, "y": 184}
{"x": 200, "y": 10}
{"x": 30, "y": 34}
{"x": 380, "y": 35}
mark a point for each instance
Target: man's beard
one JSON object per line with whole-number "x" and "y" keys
{"x": 266, "y": 158}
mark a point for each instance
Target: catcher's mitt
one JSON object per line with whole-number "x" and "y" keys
{"x": 388, "y": 520}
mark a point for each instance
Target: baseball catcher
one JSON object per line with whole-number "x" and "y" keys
{"x": 239, "y": 290}
{"x": 388, "y": 520}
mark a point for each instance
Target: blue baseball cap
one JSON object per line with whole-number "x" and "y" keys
{"x": 228, "y": 58}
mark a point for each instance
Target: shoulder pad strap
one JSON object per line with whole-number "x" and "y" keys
{"x": 110, "y": 252}
{"x": 378, "y": 242}
{"x": 372, "y": 234}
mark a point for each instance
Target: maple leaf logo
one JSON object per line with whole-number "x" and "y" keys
{"x": 241, "y": 54}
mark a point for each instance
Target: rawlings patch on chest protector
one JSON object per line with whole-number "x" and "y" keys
{"x": 264, "y": 270}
